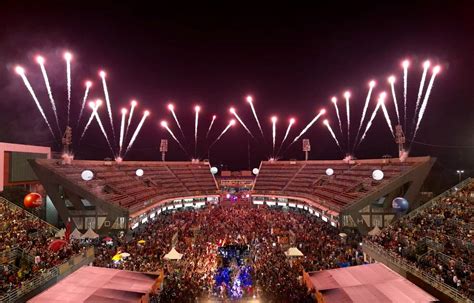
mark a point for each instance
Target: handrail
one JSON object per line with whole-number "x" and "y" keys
{"x": 38, "y": 281}
{"x": 406, "y": 266}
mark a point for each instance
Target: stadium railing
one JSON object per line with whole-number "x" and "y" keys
{"x": 408, "y": 267}
{"x": 39, "y": 282}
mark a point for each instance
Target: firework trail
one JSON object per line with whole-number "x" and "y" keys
{"x": 210, "y": 125}
{"x": 232, "y": 111}
{"x": 231, "y": 123}
{"x": 196, "y": 121}
{"x": 436, "y": 70}
{"x": 347, "y": 96}
{"x": 137, "y": 131}
{"x": 132, "y": 108}
{"x": 369, "y": 124}
{"x": 405, "y": 65}
{"x": 391, "y": 80}
{"x": 96, "y": 114}
{"x": 274, "y": 120}
{"x": 40, "y": 61}
{"x": 102, "y": 75}
{"x": 426, "y": 66}
{"x": 321, "y": 112}
{"x": 171, "y": 108}
{"x": 165, "y": 125}
{"x": 122, "y": 130}
{"x": 334, "y": 101}
{"x": 250, "y": 101}
{"x": 68, "y": 57}
{"x": 387, "y": 117}
{"x": 95, "y": 107}
{"x": 364, "y": 111}
{"x": 84, "y": 99}
{"x": 326, "y": 122}
{"x": 292, "y": 121}
{"x": 21, "y": 72}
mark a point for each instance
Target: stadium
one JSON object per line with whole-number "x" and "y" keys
{"x": 352, "y": 198}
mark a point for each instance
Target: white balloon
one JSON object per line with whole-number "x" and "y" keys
{"x": 87, "y": 175}
{"x": 139, "y": 172}
{"x": 377, "y": 175}
{"x": 214, "y": 170}
{"x": 255, "y": 171}
{"x": 329, "y": 171}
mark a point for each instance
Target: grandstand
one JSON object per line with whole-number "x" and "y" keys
{"x": 350, "y": 197}
{"x": 28, "y": 265}
{"x": 433, "y": 245}
{"x": 116, "y": 197}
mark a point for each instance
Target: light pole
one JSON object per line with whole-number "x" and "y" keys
{"x": 460, "y": 172}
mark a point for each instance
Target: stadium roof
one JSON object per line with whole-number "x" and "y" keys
{"x": 335, "y": 190}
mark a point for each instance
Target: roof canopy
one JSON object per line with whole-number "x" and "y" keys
{"x": 293, "y": 252}
{"x": 173, "y": 255}
{"x": 90, "y": 234}
{"x": 365, "y": 283}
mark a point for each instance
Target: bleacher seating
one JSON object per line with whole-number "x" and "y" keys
{"x": 117, "y": 183}
{"x": 438, "y": 238}
{"x": 349, "y": 183}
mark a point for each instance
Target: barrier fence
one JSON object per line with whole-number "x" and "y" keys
{"x": 410, "y": 268}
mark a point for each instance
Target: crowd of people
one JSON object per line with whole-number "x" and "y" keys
{"x": 198, "y": 234}
{"x": 438, "y": 239}
{"x": 26, "y": 239}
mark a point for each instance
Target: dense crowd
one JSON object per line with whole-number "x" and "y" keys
{"x": 438, "y": 239}
{"x": 29, "y": 237}
{"x": 267, "y": 232}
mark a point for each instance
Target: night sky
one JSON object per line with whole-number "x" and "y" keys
{"x": 292, "y": 60}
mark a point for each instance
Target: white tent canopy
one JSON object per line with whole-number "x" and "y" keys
{"x": 75, "y": 234}
{"x": 375, "y": 231}
{"x": 173, "y": 255}
{"x": 90, "y": 234}
{"x": 61, "y": 233}
{"x": 293, "y": 252}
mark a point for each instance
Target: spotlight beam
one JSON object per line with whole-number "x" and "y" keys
{"x": 326, "y": 122}
{"x": 40, "y": 61}
{"x": 254, "y": 112}
{"x": 20, "y": 71}
{"x": 94, "y": 110}
{"x": 84, "y": 100}
{"x": 369, "y": 124}
{"x": 210, "y": 125}
{"x": 364, "y": 111}
{"x": 292, "y": 121}
{"x": 232, "y": 111}
{"x": 137, "y": 131}
{"x": 99, "y": 121}
{"x": 68, "y": 58}
{"x": 321, "y": 112}
{"x": 122, "y": 130}
{"x": 133, "y": 104}
{"x": 107, "y": 101}
{"x": 165, "y": 125}
{"x": 391, "y": 80}
{"x": 387, "y": 118}
{"x": 436, "y": 70}
{"x": 426, "y": 66}
{"x": 231, "y": 123}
